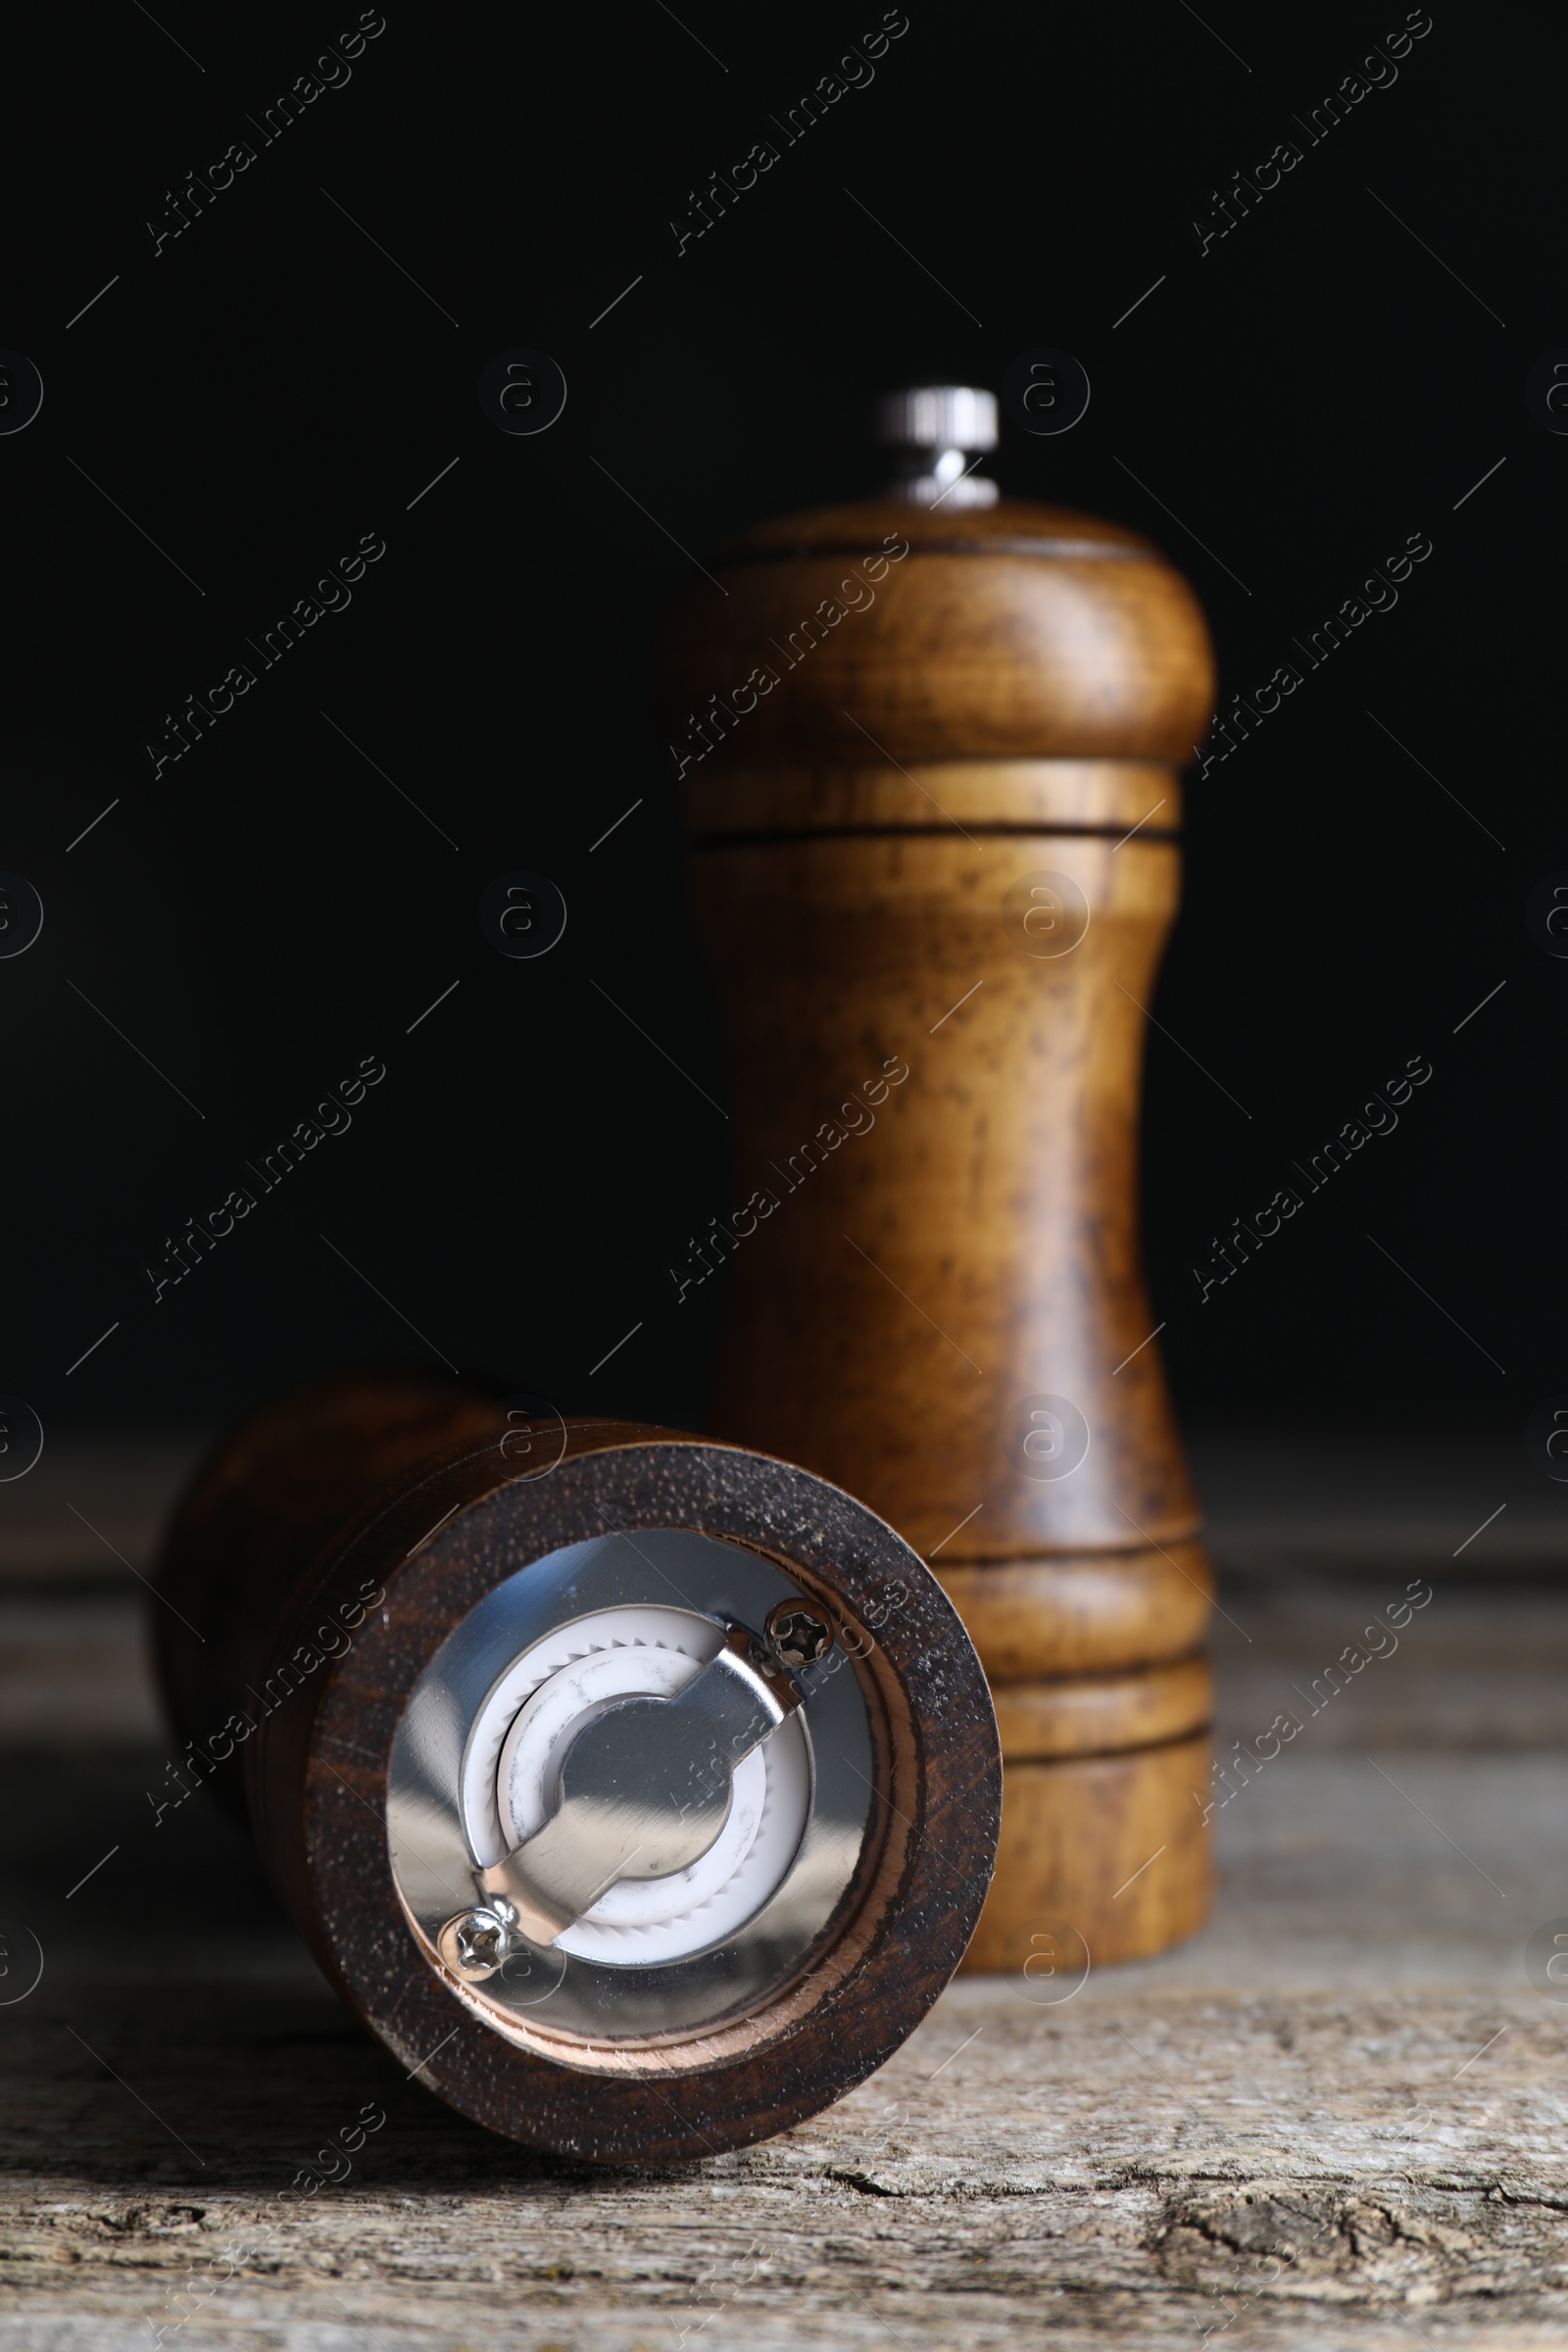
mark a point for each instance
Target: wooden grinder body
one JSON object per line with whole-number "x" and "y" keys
{"x": 317, "y": 1567}
{"x": 894, "y": 729}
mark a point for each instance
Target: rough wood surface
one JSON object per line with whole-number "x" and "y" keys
{"x": 1335, "y": 2122}
{"x": 1280, "y": 2168}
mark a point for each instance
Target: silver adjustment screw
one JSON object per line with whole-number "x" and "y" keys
{"x": 939, "y": 429}
{"x": 799, "y": 1634}
{"x": 474, "y": 1944}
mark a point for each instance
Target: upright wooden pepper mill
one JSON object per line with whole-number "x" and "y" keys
{"x": 930, "y": 747}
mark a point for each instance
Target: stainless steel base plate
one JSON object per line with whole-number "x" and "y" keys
{"x": 473, "y": 1766}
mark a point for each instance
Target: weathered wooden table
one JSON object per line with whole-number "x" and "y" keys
{"x": 1338, "y": 2118}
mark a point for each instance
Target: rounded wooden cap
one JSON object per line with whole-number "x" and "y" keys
{"x": 882, "y": 629}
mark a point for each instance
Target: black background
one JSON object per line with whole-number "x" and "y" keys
{"x": 270, "y": 386}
